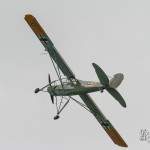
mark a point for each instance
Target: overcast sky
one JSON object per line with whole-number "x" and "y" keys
{"x": 114, "y": 34}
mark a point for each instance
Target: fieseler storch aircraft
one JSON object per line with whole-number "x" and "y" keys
{"x": 68, "y": 85}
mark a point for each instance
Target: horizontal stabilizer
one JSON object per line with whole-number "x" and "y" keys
{"x": 103, "y": 78}
{"x": 101, "y": 75}
{"x": 117, "y": 96}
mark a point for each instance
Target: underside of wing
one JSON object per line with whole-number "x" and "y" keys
{"x": 49, "y": 46}
{"x": 113, "y": 134}
{"x": 107, "y": 126}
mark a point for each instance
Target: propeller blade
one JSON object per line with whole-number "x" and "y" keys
{"x": 117, "y": 96}
{"x": 52, "y": 98}
{"x": 101, "y": 75}
{"x": 36, "y": 90}
{"x": 49, "y": 78}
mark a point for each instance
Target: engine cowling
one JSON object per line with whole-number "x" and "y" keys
{"x": 116, "y": 80}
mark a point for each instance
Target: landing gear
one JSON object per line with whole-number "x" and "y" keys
{"x": 56, "y": 117}
{"x": 36, "y": 90}
{"x": 59, "y": 109}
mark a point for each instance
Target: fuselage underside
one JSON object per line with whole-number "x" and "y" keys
{"x": 69, "y": 89}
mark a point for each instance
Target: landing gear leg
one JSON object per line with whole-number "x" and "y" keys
{"x": 59, "y": 111}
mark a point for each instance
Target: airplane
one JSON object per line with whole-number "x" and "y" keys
{"x": 68, "y": 85}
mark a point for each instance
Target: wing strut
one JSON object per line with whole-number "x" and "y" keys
{"x": 81, "y": 104}
{"x": 57, "y": 72}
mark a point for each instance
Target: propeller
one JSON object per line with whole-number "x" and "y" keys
{"x": 105, "y": 82}
{"x": 49, "y": 81}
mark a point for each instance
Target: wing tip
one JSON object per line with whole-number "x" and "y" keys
{"x": 28, "y": 15}
{"x": 33, "y": 23}
{"x": 115, "y": 136}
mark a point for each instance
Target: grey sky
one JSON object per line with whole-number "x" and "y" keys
{"x": 114, "y": 34}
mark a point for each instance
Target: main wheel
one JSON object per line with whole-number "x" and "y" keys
{"x": 36, "y": 90}
{"x": 56, "y": 117}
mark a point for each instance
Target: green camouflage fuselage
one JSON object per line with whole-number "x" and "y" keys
{"x": 69, "y": 89}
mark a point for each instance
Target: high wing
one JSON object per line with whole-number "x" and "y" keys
{"x": 107, "y": 126}
{"x": 49, "y": 46}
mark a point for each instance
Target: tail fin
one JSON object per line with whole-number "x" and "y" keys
{"x": 116, "y": 80}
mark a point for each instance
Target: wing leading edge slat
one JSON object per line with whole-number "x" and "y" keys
{"x": 49, "y": 46}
